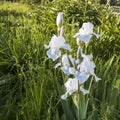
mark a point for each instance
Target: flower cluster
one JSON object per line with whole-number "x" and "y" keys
{"x": 80, "y": 68}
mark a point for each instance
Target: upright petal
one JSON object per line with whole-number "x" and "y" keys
{"x": 57, "y": 42}
{"x": 65, "y": 61}
{"x": 87, "y": 28}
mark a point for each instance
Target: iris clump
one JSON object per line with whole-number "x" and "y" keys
{"x": 79, "y": 69}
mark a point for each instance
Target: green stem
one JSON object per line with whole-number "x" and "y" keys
{"x": 82, "y": 106}
{"x": 78, "y": 104}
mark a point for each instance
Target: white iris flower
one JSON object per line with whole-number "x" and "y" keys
{"x": 72, "y": 85}
{"x": 85, "y": 32}
{"x": 54, "y": 47}
{"x": 87, "y": 66}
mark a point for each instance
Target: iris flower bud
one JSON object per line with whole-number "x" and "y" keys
{"x": 59, "y": 20}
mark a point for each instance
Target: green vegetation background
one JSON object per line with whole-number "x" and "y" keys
{"x": 30, "y": 88}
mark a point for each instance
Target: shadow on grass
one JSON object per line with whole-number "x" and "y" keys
{"x": 12, "y": 12}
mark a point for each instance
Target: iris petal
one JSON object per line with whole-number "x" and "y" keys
{"x": 53, "y": 54}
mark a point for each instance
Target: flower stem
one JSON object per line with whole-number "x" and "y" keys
{"x": 82, "y": 104}
{"x": 78, "y": 102}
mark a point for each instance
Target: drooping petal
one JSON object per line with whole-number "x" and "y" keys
{"x": 65, "y": 69}
{"x": 84, "y": 38}
{"x": 46, "y": 46}
{"x": 76, "y": 35}
{"x": 84, "y": 90}
{"x": 57, "y": 65}
{"x": 64, "y": 96}
{"x": 53, "y": 54}
{"x": 82, "y": 77}
{"x": 97, "y": 35}
{"x": 72, "y": 70}
{"x": 97, "y": 78}
{"x": 67, "y": 47}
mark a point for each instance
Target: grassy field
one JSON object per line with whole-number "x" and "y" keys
{"x": 30, "y": 88}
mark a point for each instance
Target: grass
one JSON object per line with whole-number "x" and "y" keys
{"x": 30, "y": 88}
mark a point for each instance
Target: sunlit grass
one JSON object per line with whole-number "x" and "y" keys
{"x": 14, "y": 7}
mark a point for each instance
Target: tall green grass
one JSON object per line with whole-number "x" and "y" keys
{"x": 30, "y": 88}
